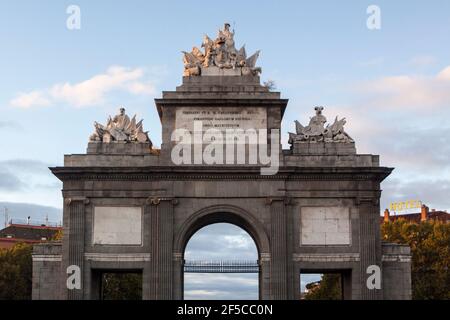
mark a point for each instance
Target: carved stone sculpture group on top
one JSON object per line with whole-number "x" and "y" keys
{"x": 120, "y": 129}
{"x": 317, "y": 132}
{"x": 220, "y": 55}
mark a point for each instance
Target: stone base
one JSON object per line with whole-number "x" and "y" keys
{"x": 215, "y": 71}
{"x": 119, "y": 148}
{"x": 231, "y": 84}
{"x": 323, "y": 148}
{"x": 396, "y": 271}
{"x": 47, "y": 283}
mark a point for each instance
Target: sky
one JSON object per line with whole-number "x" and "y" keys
{"x": 221, "y": 241}
{"x": 224, "y": 241}
{"x": 391, "y": 84}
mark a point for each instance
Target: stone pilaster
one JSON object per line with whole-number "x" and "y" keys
{"x": 161, "y": 270}
{"x": 278, "y": 249}
{"x": 264, "y": 276}
{"x": 76, "y": 208}
{"x": 370, "y": 244}
{"x": 178, "y": 275}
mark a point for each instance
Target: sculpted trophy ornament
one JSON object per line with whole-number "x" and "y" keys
{"x": 316, "y": 131}
{"x": 120, "y": 128}
{"x": 220, "y": 54}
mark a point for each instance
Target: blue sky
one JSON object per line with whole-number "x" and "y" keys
{"x": 392, "y": 84}
{"x": 385, "y": 82}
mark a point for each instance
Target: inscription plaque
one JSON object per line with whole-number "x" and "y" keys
{"x": 221, "y": 118}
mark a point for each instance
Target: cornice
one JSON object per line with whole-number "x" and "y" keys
{"x": 221, "y": 101}
{"x": 217, "y": 173}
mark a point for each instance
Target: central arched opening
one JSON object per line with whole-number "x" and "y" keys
{"x": 221, "y": 262}
{"x": 227, "y": 231}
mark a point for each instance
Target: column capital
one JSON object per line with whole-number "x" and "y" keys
{"x": 264, "y": 257}
{"x": 68, "y": 201}
{"x": 286, "y": 200}
{"x": 154, "y": 201}
{"x": 177, "y": 256}
{"x": 371, "y": 200}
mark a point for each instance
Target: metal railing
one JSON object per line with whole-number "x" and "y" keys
{"x": 221, "y": 266}
{"x": 34, "y": 222}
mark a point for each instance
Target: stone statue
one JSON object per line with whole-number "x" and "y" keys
{"x": 220, "y": 54}
{"x": 208, "y": 44}
{"x": 120, "y": 129}
{"x": 316, "y": 131}
{"x": 316, "y": 123}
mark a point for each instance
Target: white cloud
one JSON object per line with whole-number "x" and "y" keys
{"x": 239, "y": 241}
{"x": 30, "y": 99}
{"x": 406, "y": 92}
{"x": 91, "y": 91}
{"x": 444, "y": 75}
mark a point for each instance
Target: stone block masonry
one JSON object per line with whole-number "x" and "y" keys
{"x": 129, "y": 207}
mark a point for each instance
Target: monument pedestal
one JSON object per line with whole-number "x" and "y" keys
{"x": 116, "y": 148}
{"x": 323, "y": 148}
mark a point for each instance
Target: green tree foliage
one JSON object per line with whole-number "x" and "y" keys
{"x": 329, "y": 288}
{"x": 430, "y": 248}
{"x": 122, "y": 286}
{"x": 15, "y": 272}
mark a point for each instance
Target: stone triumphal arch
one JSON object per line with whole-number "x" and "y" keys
{"x": 131, "y": 207}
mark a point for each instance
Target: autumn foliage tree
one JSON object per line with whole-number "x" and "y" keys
{"x": 15, "y": 272}
{"x": 430, "y": 248}
{"x": 329, "y": 288}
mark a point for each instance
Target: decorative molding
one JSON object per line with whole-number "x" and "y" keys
{"x": 326, "y": 257}
{"x": 118, "y": 257}
{"x": 177, "y": 173}
{"x": 184, "y": 176}
{"x": 396, "y": 258}
{"x": 152, "y": 201}
{"x": 47, "y": 257}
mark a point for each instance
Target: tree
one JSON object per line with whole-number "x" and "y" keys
{"x": 122, "y": 286}
{"x": 15, "y": 272}
{"x": 270, "y": 84}
{"x": 58, "y": 236}
{"x": 328, "y": 288}
{"x": 430, "y": 249}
